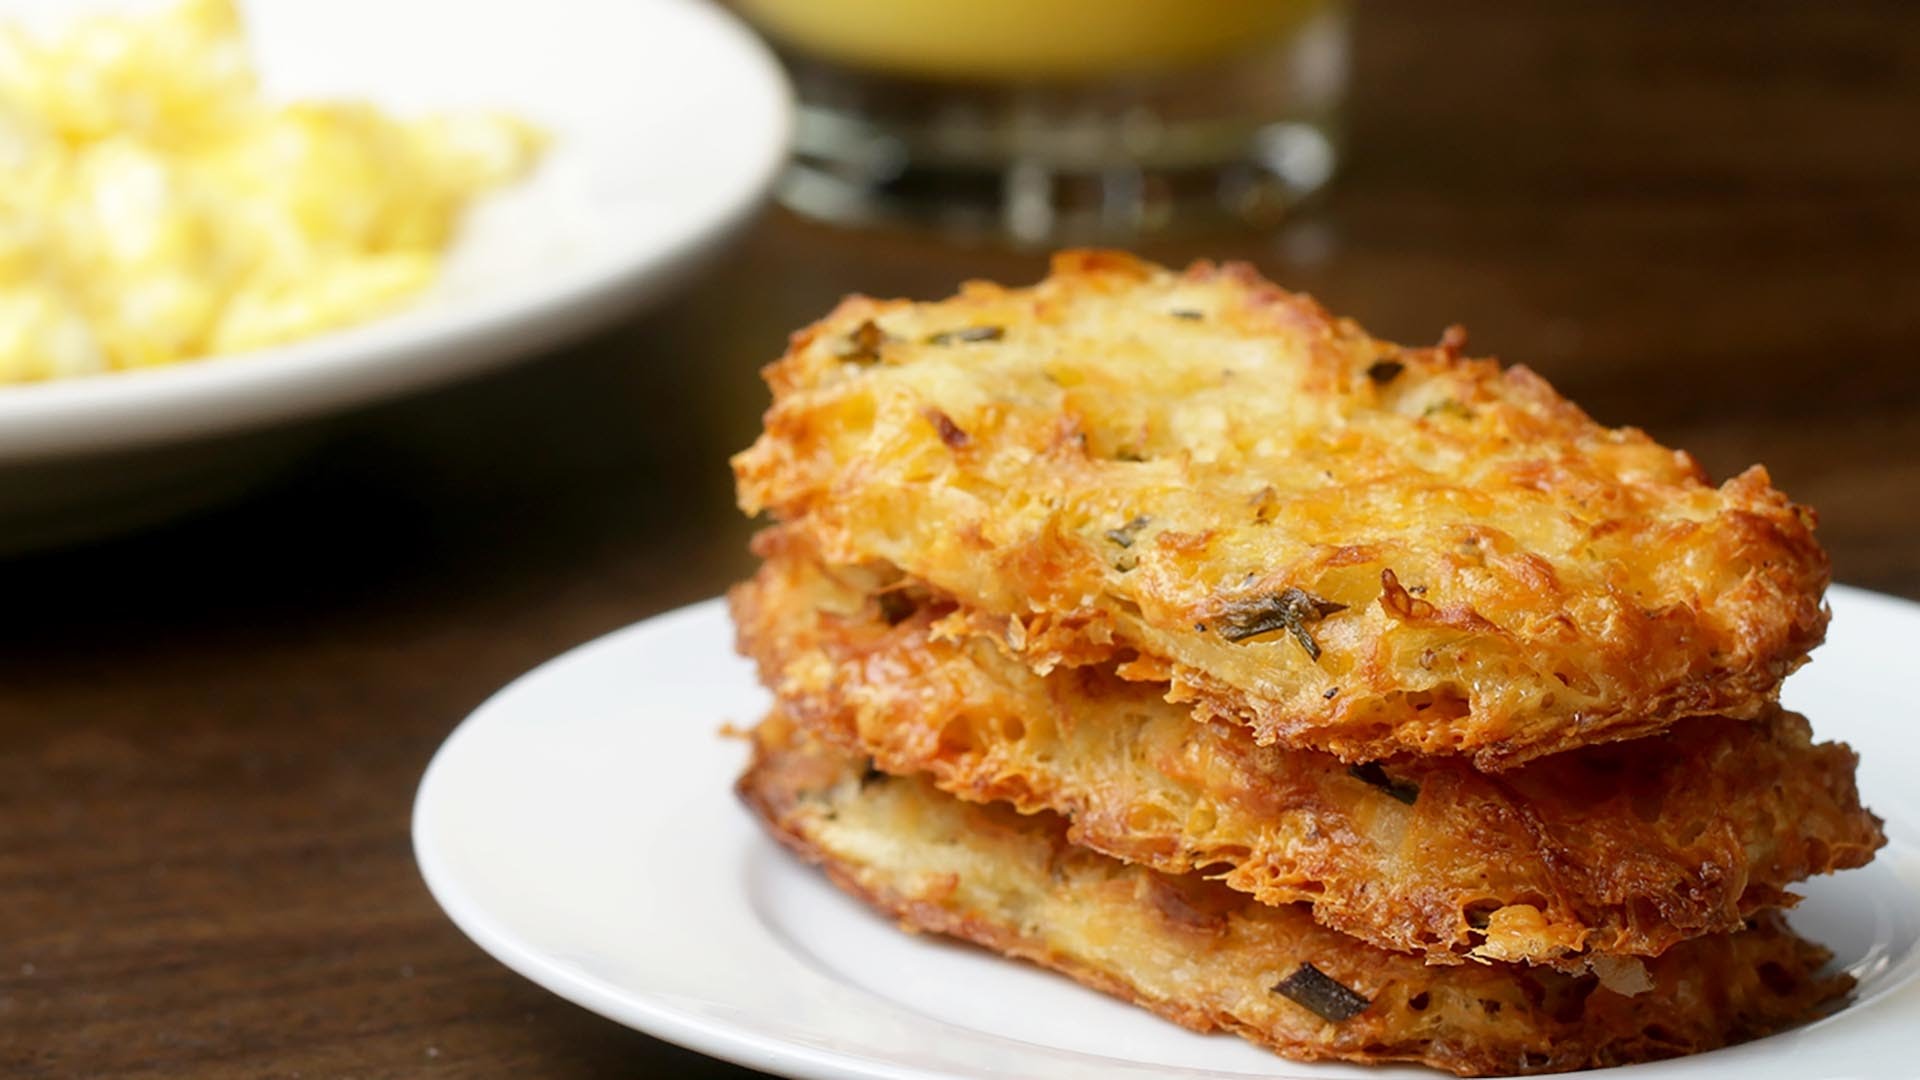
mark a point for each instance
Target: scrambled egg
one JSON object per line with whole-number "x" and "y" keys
{"x": 157, "y": 209}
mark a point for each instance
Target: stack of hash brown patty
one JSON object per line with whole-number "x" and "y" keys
{"x": 1373, "y": 703}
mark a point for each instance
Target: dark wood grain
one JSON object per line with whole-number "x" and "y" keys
{"x": 1702, "y": 221}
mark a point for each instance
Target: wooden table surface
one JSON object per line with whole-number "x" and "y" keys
{"x": 1705, "y": 222}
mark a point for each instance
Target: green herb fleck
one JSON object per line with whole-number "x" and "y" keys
{"x": 1126, "y": 534}
{"x": 1326, "y": 997}
{"x": 1291, "y": 610}
{"x": 1385, "y": 371}
{"x": 1371, "y": 772}
{"x": 967, "y": 334}
{"x": 863, "y": 345}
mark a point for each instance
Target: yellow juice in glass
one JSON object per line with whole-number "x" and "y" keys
{"x": 1027, "y": 39}
{"x": 1050, "y": 121}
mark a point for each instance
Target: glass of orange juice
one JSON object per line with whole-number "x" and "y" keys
{"x": 1059, "y": 120}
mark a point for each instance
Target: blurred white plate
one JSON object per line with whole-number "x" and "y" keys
{"x": 669, "y": 121}
{"x": 580, "y": 826}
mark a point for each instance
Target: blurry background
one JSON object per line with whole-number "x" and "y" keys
{"x": 1699, "y": 219}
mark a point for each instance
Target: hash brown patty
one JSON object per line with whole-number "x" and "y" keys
{"x": 1620, "y": 849}
{"x": 1346, "y": 544}
{"x": 1212, "y": 959}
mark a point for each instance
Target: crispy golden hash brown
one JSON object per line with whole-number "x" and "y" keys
{"x": 1625, "y": 848}
{"x": 1347, "y": 544}
{"x": 1206, "y": 957}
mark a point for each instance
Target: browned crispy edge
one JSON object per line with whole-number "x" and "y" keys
{"x": 1717, "y": 900}
{"x": 769, "y": 789}
{"x": 1800, "y": 567}
{"x": 767, "y": 799}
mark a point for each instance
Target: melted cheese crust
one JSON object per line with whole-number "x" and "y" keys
{"x": 1627, "y": 848}
{"x": 1126, "y": 460}
{"x": 1208, "y": 958}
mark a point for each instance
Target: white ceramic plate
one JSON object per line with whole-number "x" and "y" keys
{"x": 580, "y": 826}
{"x": 668, "y": 122}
